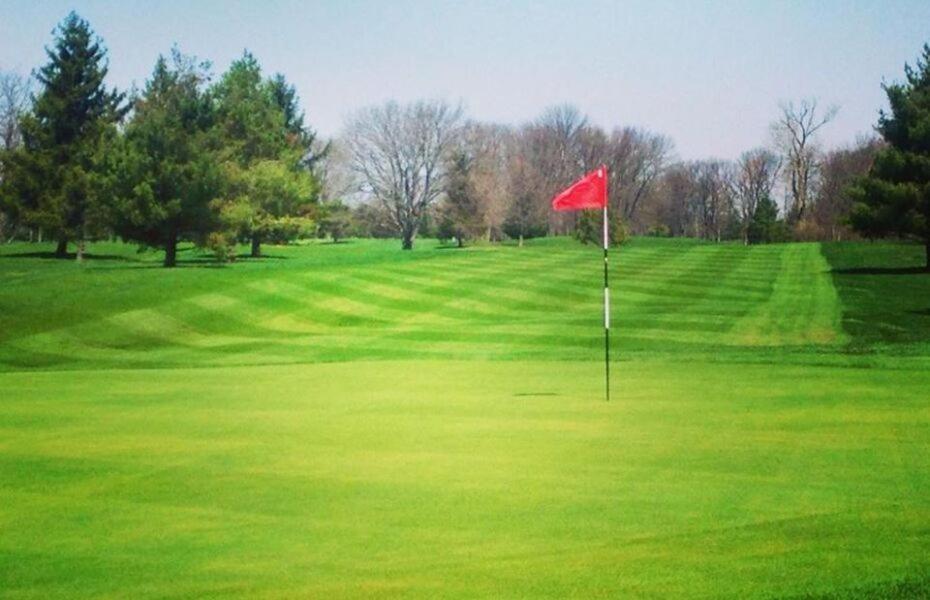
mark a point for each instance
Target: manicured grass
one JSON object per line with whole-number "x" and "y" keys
{"x": 365, "y": 300}
{"x": 352, "y": 420}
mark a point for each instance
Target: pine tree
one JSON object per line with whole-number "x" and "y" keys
{"x": 299, "y": 134}
{"x": 165, "y": 173}
{"x": 335, "y": 220}
{"x": 762, "y": 228}
{"x": 590, "y": 228}
{"x": 895, "y": 198}
{"x": 54, "y": 173}
{"x": 268, "y": 185}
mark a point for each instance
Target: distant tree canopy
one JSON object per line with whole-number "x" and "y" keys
{"x": 895, "y": 197}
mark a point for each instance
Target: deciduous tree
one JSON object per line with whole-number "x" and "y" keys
{"x": 15, "y": 101}
{"x": 794, "y": 134}
{"x": 461, "y": 209}
{"x": 839, "y": 169}
{"x": 754, "y": 178}
{"x": 400, "y": 155}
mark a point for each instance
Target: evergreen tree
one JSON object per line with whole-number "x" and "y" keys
{"x": 765, "y": 227}
{"x": 895, "y": 197}
{"x": 264, "y": 156}
{"x": 590, "y": 228}
{"x": 523, "y": 219}
{"x": 299, "y": 134}
{"x": 52, "y": 176}
{"x": 335, "y": 220}
{"x": 164, "y": 173}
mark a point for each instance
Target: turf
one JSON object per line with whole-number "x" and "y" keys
{"x": 352, "y": 420}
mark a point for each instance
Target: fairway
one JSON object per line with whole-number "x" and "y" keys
{"x": 351, "y": 420}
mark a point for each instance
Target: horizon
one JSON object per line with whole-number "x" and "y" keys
{"x": 839, "y": 54}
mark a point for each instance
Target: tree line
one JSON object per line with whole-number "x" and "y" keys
{"x": 185, "y": 158}
{"x": 232, "y": 160}
{"x": 495, "y": 181}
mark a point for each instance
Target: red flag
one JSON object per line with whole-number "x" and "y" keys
{"x": 588, "y": 192}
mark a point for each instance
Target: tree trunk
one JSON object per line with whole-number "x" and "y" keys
{"x": 407, "y": 238}
{"x": 521, "y": 241}
{"x": 40, "y": 235}
{"x": 171, "y": 251}
{"x": 61, "y": 251}
{"x": 458, "y": 240}
{"x": 80, "y": 251}
{"x": 927, "y": 250}
{"x": 256, "y": 246}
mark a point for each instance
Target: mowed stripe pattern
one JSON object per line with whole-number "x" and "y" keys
{"x": 541, "y": 301}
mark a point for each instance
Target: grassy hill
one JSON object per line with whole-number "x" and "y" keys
{"x": 353, "y": 420}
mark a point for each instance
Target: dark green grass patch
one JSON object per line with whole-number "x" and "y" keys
{"x": 885, "y": 294}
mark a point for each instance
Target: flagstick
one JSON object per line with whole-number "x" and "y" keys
{"x": 606, "y": 313}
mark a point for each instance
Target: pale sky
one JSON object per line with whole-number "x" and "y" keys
{"x": 708, "y": 74}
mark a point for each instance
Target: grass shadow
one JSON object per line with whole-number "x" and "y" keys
{"x": 197, "y": 262}
{"x": 262, "y": 257}
{"x": 882, "y": 271}
{"x": 69, "y": 256}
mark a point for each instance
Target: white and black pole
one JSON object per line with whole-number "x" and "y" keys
{"x": 606, "y": 309}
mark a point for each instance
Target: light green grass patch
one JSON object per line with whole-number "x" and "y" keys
{"x": 802, "y": 306}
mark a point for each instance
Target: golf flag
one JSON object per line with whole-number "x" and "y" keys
{"x": 591, "y": 192}
{"x": 588, "y": 192}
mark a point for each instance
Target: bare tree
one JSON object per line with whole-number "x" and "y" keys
{"x": 15, "y": 96}
{"x": 670, "y": 211}
{"x": 794, "y": 135}
{"x": 525, "y": 215}
{"x": 399, "y": 152}
{"x": 707, "y": 197}
{"x": 839, "y": 169}
{"x": 338, "y": 180}
{"x": 554, "y": 149}
{"x": 488, "y": 146}
{"x": 635, "y": 160}
{"x": 565, "y": 125}
{"x": 754, "y": 178}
